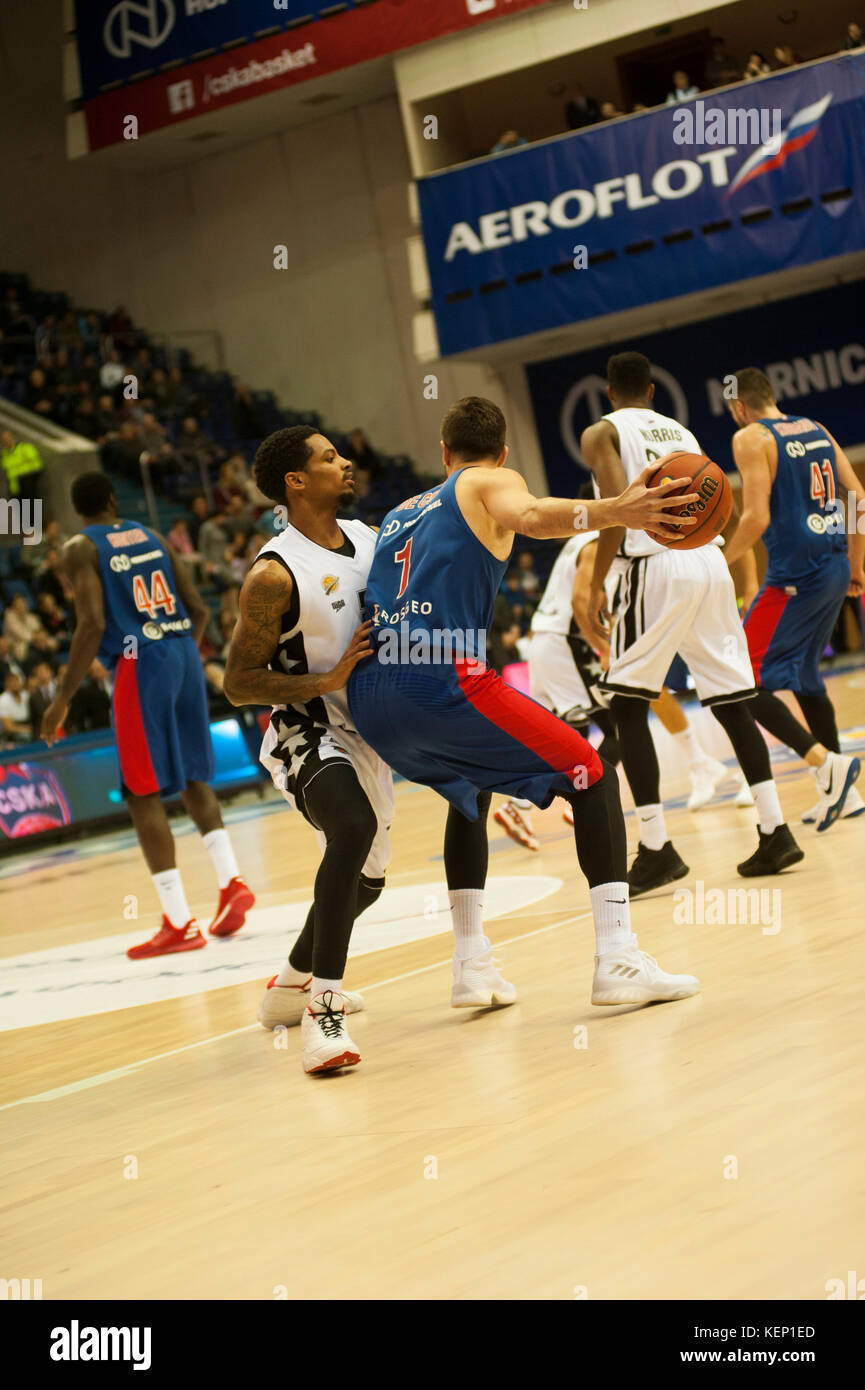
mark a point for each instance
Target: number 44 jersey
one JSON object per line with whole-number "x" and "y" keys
{"x": 138, "y": 588}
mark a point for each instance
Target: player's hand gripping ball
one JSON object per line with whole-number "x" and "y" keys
{"x": 713, "y": 506}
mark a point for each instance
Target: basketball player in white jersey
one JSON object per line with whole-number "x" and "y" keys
{"x": 669, "y": 601}
{"x": 298, "y": 639}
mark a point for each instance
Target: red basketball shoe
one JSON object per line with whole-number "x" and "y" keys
{"x": 235, "y": 900}
{"x": 169, "y": 939}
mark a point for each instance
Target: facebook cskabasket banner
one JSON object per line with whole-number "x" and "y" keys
{"x": 127, "y": 41}
{"x": 812, "y": 348}
{"x": 766, "y": 176}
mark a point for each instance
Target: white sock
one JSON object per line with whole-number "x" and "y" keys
{"x": 172, "y": 897}
{"x": 687, "y": 741}
{"x": 219, "y": 848}
{"x": 653, "y": 829}
{"x": 321, "y": 986}
{"x": 769, "y": 813}
{"x": 611, "y": 909}
{"x": 467, "y": 915}
{"x": 521, "y": 804}
{"x": 289, "y": 976}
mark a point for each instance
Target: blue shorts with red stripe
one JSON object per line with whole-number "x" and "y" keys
{"x": 788, "y": 629}
{"x": 160, "y": 718}
{"x": 461, "y": 729}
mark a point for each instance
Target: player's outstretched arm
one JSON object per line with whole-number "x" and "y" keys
{"x": 78, "y": 560}
{"x": 751, "y": 458}
{"x": 510, "y": 504}
{"x": 264, "y": 598}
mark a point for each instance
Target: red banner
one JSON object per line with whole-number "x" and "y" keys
{"x": 283, "y": 60}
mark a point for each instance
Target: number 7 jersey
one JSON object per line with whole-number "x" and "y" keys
{"x": 138, "y": 589}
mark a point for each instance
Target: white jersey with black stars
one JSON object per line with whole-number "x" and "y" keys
{"x": 555, "y": 613}
{"x": 325, "y": 612}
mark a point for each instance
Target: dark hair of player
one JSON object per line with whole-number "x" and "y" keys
{"x": 284, "y": 451}
{"x": 629, "y": 374}
{"x": 91, "y": 494}
{"x": 753, "y": 388}
{"x": 473, "y": 429}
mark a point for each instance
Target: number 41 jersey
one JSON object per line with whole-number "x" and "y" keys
{"x": 138, "y": 587}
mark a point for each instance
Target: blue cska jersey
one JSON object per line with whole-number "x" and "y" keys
{"x": 431, "y": 574}
{"x": 806, "y": 526}
{"x": 138, "y": 588}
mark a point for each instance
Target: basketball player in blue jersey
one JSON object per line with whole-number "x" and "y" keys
{"x": 793, "y": 476}
{"x": 436, "y": 713}
{"x": 139, "y": 612}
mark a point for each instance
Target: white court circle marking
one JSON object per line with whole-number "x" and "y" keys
{"x": 95, "y": 977}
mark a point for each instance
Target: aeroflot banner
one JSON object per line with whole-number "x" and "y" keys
{"x": 760, "y": 178}
{"x": 167, "y": 60}
{"x": 811, "y": 348}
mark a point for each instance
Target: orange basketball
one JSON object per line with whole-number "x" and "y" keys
{"x": 714, "y": 505}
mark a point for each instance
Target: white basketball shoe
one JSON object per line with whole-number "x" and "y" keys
{"x": 324, "y": 1041}
{"x": 853, "y": 806}
{"x": 478, "y": 984}
{"x": 632, "y": 976}
{"x": 835, "y": 780}
{"x": 282, "y": 1006}
{"x": 706, "y": 778}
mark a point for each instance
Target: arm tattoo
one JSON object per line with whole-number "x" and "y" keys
{"x": 264, "y": 598}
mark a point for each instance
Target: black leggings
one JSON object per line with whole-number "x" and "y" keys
{"x": 599, "y": 833}
{"x": 335, "y": 803}
{"x": 641, "y": 760}
{"x": 819, "y": 713}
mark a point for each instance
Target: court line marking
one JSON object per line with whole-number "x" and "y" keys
{"x": 87, "y": 1083}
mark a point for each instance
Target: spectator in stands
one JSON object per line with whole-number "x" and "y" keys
{"x": 66, "y": 334}
{"x": 515, "y": 595}
{"x": 108, "y": 419}
{"x": 177, "y": 396}
{"x": 526, "y": 565}
{"x": 119, "y": 325}
{"x": 785, "y": 57}
{"x": 212, "y": 545}
{"x": 42, "y": 688}
{"x": 198, "y": 512}
{"x": 26, "y": 634}
{"x": 638, "y": 106}
{"x": 85, "y": 420}
{"x": 756, "y": 66}
{"x": 581, "y": 110}
{"x": 89, "y": 372}
{"x": 503, "y": 635}
{"x": 8, "y": 661}
{"x": 236, "y": 561}
{"x": 54, "y": 618}
{"x": 364, "y": 457}
{"x": 44, "y": 336}
{"x": 194, "y": 447}
{"x": 112, "y": 372}
{"x": 179, "y": 538}
{"x": 90, "y": 706}
{"x": 230, "y": 484}
{"x": 609, "y": 111}
{"x": 508, "y": 140}
{"x": 32, "y": 556}
{"x": 854, "y": 37}
{"x": 22, "y": 464}
{"x": 722, "y": 68}
{"x": 48, "y": 577}
{"x": 683, "y": 88}
{"x": 246, "y": 418}
{"x": 38, "y": 395}
{"x": 15, "y": 723}
{"x": 123, "y": 454}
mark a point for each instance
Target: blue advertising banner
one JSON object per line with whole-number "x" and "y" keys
{"x": 117, "y": 41}
{"x": 763, "y": 177}
{"x": 812, "y": 348}
{"x": 77, "y": 781}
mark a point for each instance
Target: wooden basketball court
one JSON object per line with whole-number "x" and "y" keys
{"x": 709, "y": 1148}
